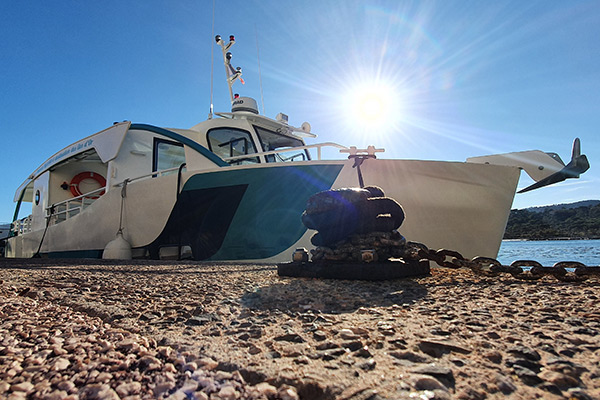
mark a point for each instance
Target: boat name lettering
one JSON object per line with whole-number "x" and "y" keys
{"x": 75, "y": 148}
{"x": 238, "y": 102}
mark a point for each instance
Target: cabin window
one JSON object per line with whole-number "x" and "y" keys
{"x": 167, "y": 155}
{"x": 232, "y": 145}
{"x": 284, "y": 144}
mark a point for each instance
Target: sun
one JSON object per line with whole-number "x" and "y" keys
{"x": 371, "y": 105}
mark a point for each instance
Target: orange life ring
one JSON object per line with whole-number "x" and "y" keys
{"x": 74, "y": 184}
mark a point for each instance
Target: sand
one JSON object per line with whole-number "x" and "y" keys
{"x": 92, "y": 329}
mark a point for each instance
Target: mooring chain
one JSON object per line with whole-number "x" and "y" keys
{"x": 492, "y": 267}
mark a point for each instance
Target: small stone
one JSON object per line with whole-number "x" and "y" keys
{"x": 265, "y": 389}
{"x": 526, "y": 375}
{"x": 440, "y": 332}
{"x": 525, "y": 352}
{"x": 437, "y": 348}
{"x": 471, "y": 394}
{"x": 286, "y": 392}
{"x": 523, "y": 362}
{"x": 128, "y": 345}
{"x": 424, "y": 382}
{"x": 559, "y": 379}
{"x": 293, "y": 350}
{"x": 162, "y": 387}
{"x": 369, "y": 365}
{"x": 352, "y": 345}
{"x": 505, "y": 384}
{"x": 207, "y": 363}
{"x": 253, "y": 349}
{"x": 126, "y": 389}
{"x": 363, "y": 352}
{"x": 302, "y": 360}
{"x": 61, "y": 364}
{"x": 273, "y": 355}
{"x": 494, "y": 356}
{"x": 347, "y": 334}
{"x": 25, "y": 387}
{"x": 199, "y": 320}
{"x": 290, "y": 337}
{"x": 319, "y": 335}
{"x": 328, "y": 355}
{"x": 550, "y": 387}
{"x": 200, "y": 396}
{"x": 100, "y": 392}
{"x": 579, "y": 394}
{"x": 56, "y": 395}
{"x": 149, "y": 363}
{"x": 228, "y": 392}
{"x": 362, "y": 332}
{"x": 104, "y": 377}
{"x": 191, "y": 366}
{"x": 442, "y": 374}
{"x": 327, "y": 345}
{"x": 410, "y": 356}
{"x": 223, "y": 376}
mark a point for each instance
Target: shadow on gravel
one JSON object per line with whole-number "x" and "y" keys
{"x": 333, "y": 296}
{"x": 143, "y": 267}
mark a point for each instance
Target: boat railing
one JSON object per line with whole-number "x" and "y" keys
{"x": 21, "y": 226}
{"x": 154, "y": 174}
{"x": 63, "y": 210}
{"x": 317, "y": 146}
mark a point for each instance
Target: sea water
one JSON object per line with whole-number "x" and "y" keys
{"x": 549, "y": 252}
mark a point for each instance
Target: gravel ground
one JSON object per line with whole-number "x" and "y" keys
{"x": 93, "y": 329}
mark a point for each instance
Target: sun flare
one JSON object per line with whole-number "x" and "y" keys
{"x": 371, "y": 106}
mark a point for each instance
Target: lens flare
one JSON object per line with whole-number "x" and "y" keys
{"x": 371, "y": 106}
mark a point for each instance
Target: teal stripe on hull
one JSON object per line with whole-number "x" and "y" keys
{"x": 268, "y": 219}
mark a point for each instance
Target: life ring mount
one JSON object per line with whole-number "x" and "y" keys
{"x": 87, "y": 175}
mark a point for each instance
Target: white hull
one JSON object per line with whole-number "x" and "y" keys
{"x": 459, "y": 206}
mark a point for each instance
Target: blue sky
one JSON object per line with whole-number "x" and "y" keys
{"x": 464, "y": 78}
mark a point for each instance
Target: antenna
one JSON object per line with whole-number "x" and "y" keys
{"x": 262, "y": 100}
{"x": 230, "y": 73}
{"x": 212, "y": 64}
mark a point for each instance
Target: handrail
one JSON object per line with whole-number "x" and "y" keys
{"x": 85, "y": 195}
{"x": 151, "y": 174}
{"x": 318, "y": 146}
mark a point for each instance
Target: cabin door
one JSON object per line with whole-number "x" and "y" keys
{"x": 40, "y": 201}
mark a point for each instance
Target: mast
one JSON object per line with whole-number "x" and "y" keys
{"x": 231, "y": 74}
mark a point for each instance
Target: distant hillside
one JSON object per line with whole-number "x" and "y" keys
{"x": 574, "y": 220}
{"x": 584, "y": 203}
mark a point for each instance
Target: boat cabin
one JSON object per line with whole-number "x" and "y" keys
{"x": 75, "y": 177}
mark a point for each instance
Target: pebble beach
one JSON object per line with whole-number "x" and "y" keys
{"x": 98, "y": 329}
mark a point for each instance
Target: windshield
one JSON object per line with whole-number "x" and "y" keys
{"x": 271, "y": 141}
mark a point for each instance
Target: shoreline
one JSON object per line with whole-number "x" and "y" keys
{"x": 549, "y": 239}
{"x": 231, "y": 330}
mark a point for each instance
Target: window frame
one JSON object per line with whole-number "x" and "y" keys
{"x": 306, "y": 153}
{"x": 251, "y": 141}
{"x": 156, "y": 142}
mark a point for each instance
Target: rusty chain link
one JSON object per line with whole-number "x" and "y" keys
{"x": 492, "y": 267}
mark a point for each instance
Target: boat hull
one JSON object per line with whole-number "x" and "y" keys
{"x": 252, "y": 212}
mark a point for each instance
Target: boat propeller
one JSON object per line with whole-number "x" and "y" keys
{"x": 577, "y": 166}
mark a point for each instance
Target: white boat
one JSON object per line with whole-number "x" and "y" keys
{"x": 234, "y": 188}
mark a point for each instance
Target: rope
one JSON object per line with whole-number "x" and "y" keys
{"x": 123, "y": 195}
{"x": 37, "y": 253}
